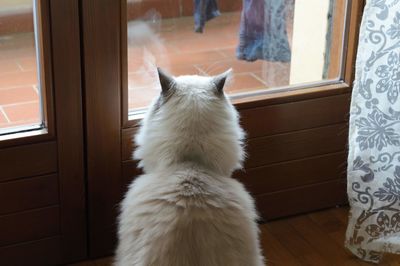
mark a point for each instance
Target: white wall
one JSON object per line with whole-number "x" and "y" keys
{"x": 309, "y": 40}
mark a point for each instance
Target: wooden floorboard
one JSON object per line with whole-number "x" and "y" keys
{"x": 311, "y": 239}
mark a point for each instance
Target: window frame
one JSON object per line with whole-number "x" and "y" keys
{"x": 343, "y": 84}
{"x": 46, "y": 130}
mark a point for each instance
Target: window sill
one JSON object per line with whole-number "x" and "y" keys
{"x": 268, "y": 97}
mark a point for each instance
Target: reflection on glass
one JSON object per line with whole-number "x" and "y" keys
{"x": 269, "y": 44}
{"x": 19, "y": 86}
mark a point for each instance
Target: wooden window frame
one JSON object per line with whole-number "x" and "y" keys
{"x": 109, "y": 167}
{"x": 342, "y": 85}
{"x": 46, "y": 130}
{"x": 53, "y": 159}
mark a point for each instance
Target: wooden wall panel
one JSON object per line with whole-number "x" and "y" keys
{"x": 336, "y": 40}
{"x": 42, "y": 185}
{"x": 42, "y": 252}
{"x": 26, "y": 194}
{"x": 300, "y": 147}
{"x": 277, "y": 119}
{"x": 291, "y": 174}
{"x": 302, "y": 199}
{"x": 29, "y": 225}
{"x": 281, "y": 118}
{"x": 296, "y": 145}
{"x": 129, "y": 172}
{"x": 70, "y": 135}
{"x": 128, "y": 143}
{"x": 12, "y": 159}
{"x": 102, "y": 67}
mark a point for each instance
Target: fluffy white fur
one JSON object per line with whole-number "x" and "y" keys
{"x": 186, "y": 210}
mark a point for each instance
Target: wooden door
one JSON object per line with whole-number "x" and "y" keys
{"x": 42, "y": 186}
{"x": 296, "y": 138}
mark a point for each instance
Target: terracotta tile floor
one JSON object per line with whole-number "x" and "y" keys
{"x": 172, "y": 45}
{"x": 175, "y": 47}
{"x": 19, "y": 96}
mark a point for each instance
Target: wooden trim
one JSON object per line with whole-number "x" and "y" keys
{"x": 273, "y": 98}
{"x": 70, "y": 136}
{"x": 336, "y": 44}
{"x": 296, "y": 145}
{"x": 124, "y": 65}
{"x": 29, "y": 226}
{"x": 37, "y": 159}
{"x": 355, "y": 13}
{"x": 130, "y": 171}
{"x": 128, "y": 143}
{"x": 26, "y": 194}
{"x": 45, "y": 81}
{"x": 45, "y": 65}
{"x": 300, "y": 200}
{"x": 277, "y": 118}
{"x": 21, "y": 138}
{"x": 291, "y": 96}
{"x": 299, "y": 115}
{"x": 271, "y": 149}
{"x": 292, "y": 174}
{"x": 102, "y": 66}
{"x": 42, "y": 252}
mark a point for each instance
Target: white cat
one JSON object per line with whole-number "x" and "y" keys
{"x": 186, "y": 210}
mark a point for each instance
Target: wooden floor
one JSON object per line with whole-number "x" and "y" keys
{"x": 311, "y": 239}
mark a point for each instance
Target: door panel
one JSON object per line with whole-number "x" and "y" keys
{"x": 30, "y": 193}
{"x": 42, "y": 186}
{"x": 295, "y": 173}
{"x": 298, "y": 115}
{"x": 296, "y": 139}
{"x": 29, "y": 225}
{"x": 68, "y": 88}
{"x": 45, "y": 251}
{"x": 27, "y": 155}
{"x": 101, "y": 43}
{"x": 296, "y": 145}
{"x": 302, "y": 199}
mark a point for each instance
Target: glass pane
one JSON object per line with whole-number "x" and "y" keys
{"x": 270, "y": 44}
{"x": 19, "y": 85}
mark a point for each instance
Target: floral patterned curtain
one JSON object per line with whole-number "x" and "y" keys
{"x": 374, "y": 136}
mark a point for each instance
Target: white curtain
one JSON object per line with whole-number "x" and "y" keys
{"x": 374, "y": 136}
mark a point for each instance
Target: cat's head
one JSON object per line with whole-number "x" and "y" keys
{"x": 191, "y": 119}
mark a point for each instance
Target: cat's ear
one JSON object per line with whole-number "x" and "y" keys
{"x": 221, "y": 80}
{"x": 166, "y": 80}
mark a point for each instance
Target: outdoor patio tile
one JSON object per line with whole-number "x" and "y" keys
{"x": 9, "y": 66}
{"x": 23, "y": 112}
{"x": 217, "y": 67}
{"x": 17, "y": 79}
{"x": 18, "y": 95}
{"x": 244, "y": 82}
{"x": 3, "y": 120}
{"x": 27, "y": 63}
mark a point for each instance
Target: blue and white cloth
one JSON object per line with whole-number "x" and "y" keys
{"x": 263, "y": 31}
{"x": 204, "y": 10}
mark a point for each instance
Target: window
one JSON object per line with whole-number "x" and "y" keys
{"x": 20, "y": 86}
{"x": 279, "y": 45}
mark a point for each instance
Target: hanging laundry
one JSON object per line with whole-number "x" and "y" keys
{"x": 263, "y": 31}
{"x": 204, "y": 10}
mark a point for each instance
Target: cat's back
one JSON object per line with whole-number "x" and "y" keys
{"x": 189, "y": 217}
